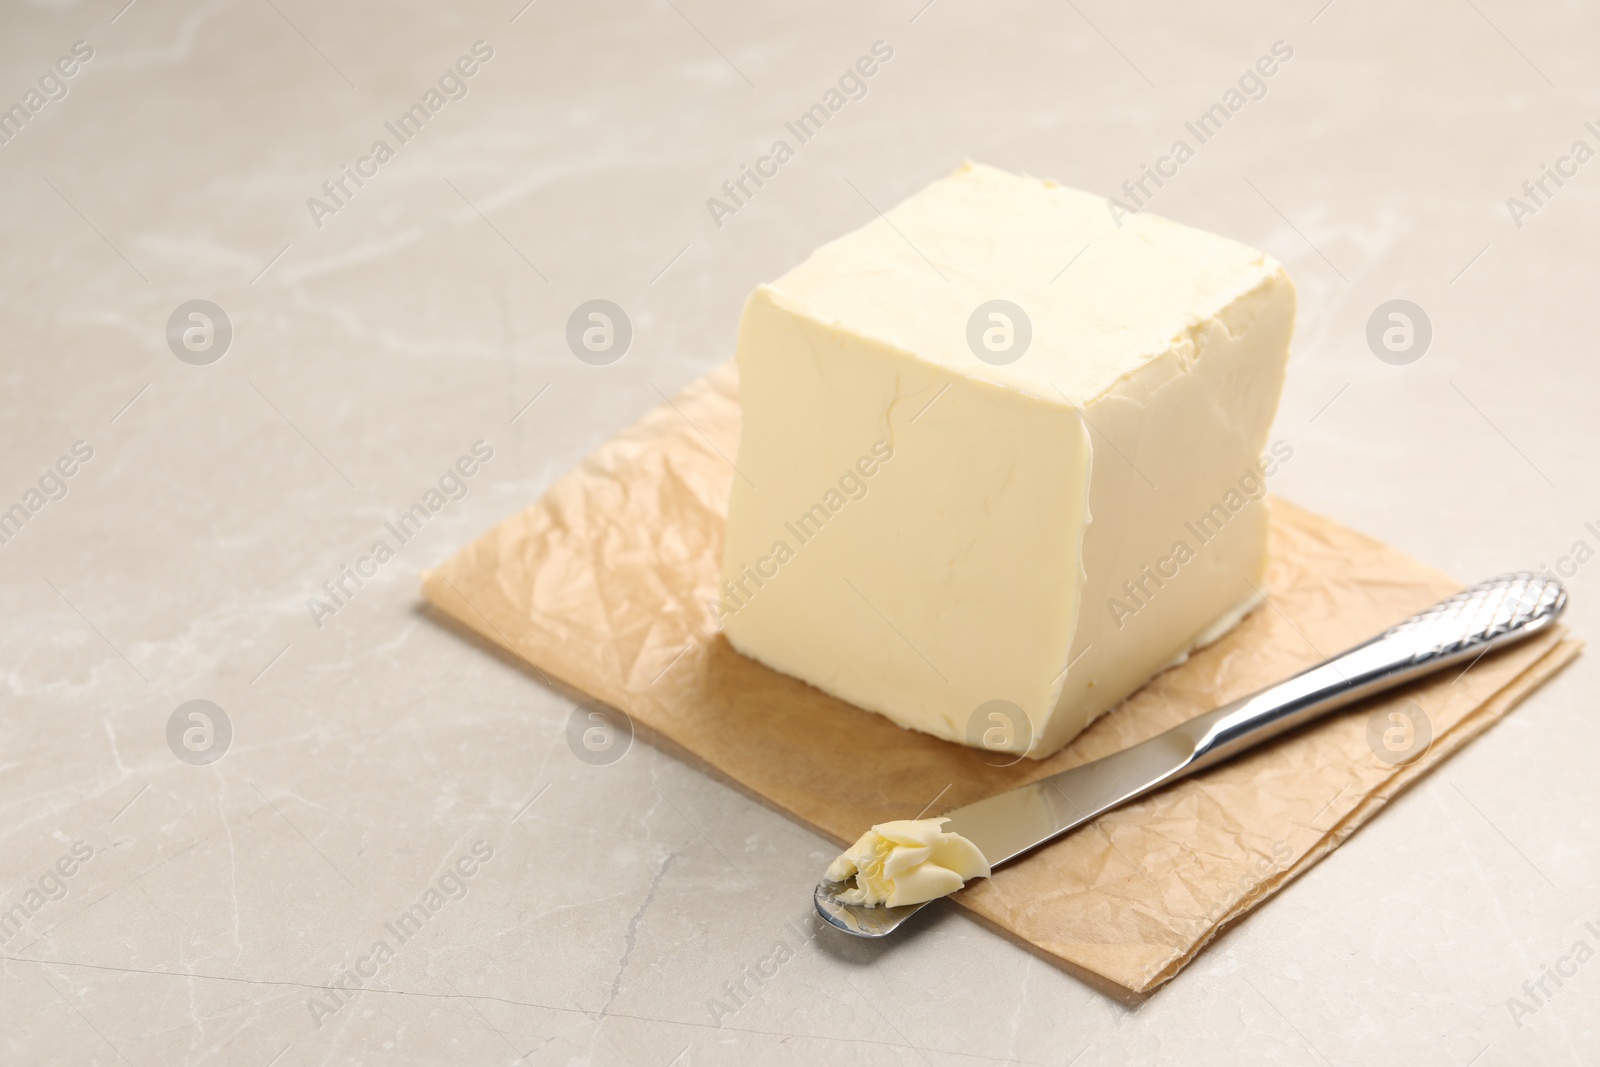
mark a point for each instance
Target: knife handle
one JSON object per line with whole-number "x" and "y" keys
{"x": 1458, "y": 629}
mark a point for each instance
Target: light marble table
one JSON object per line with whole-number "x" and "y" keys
{"x": 376, "y": 338}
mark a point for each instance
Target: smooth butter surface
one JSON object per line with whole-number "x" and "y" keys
{"x": 981, "y": 233}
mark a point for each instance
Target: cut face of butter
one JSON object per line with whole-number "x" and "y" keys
{"x": 906, "y": 862}
{"x": 932, "y": 535}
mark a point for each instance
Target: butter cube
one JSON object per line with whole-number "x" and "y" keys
{"x": 989, "y": 497}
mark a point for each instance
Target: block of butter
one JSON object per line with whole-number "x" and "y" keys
{"x": 1001, "y": 458}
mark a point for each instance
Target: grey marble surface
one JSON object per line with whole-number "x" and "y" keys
{"x": 374, "y": 344}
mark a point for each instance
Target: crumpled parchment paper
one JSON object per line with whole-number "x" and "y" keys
{"x": 604, "y": 585}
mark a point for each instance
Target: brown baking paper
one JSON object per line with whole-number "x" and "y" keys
{"x": 604, "y": 584}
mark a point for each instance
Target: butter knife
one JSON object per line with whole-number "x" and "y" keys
{"x": 1460, "y": 628}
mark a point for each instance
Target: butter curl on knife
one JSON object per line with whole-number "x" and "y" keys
{"x": 909, "y": 861}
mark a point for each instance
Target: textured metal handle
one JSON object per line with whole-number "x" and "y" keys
{"x": 1517, "y": 603}
{"x": 1457, "y": 629}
